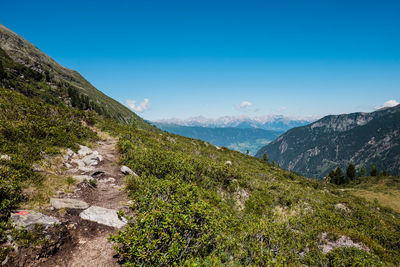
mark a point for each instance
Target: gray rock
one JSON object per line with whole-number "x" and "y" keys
{"x": 126, "y": 170}
{"x": 69, "y": 166}
{"x": 84, "y": 150}
{"x": 70, "y": 153}
{"x": 66, "y": 203}
{"x": 82, "y": 178}
{"x": 29, "y": 218}
{"x": 102, "y": 216}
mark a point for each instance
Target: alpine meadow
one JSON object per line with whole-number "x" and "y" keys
{"x": 104, "y": 179}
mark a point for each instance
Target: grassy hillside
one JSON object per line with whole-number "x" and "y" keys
{"x": 65, "y": 83}
{"x": 382, "y": 189}
{"x": 194, "y": 208}
{"x": 30, "y": 130}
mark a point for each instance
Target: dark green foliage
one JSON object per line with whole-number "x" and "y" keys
{"x": 265, "y": 157}
{"x": 173, "y": 224}
{"x": 363, "y": 171}
{"x": 374, "y": 171}
{"x": 351, "y": 172}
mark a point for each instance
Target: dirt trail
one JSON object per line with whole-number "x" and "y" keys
{"x": 89, "y": 245}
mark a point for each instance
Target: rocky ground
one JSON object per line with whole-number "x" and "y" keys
{"x": 88, "y": 214}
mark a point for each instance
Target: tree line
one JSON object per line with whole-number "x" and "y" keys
{"x": 339, "y": 177}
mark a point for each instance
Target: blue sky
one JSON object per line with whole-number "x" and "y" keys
{"x": 191, "y": 58}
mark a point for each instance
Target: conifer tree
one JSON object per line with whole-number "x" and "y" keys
{"x": 265, "y": 157}
{"x": 351, "y": 172}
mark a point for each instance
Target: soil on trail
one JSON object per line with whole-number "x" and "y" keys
{"x": 89, "y": 245}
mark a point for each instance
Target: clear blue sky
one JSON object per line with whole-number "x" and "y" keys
{"x": 205, "y": 57}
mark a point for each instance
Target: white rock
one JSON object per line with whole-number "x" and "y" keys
{"x": 126, "y": 170}
{"x": 228, "y": 163}
{"x": 102, "y": 216}
{"x": 70, "y": 153}
{"x": 69, "y": 166}
{"x": 62, "y": 203}
{"x": 84, "y": 150}
{"x": 82, "y": 178}
{"x": 5, "y": 157}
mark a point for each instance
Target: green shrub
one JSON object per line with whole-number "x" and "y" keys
{"x": 172, "y": 225}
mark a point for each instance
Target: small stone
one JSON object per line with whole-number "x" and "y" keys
{"x": 82, "y": 178}
{"x": 5, "y": 157}
{"x": 84, "y": 150}
{"x": 69, "y": 166}
{"x": 126, "y": 170}
{"x": 342, "y": 207}
{"x": 228, "y": 163}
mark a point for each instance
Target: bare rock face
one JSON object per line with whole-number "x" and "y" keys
{"x": 104, "y": 216}
{"x": 66, "y": 203}
{"x": 29, "y": 218}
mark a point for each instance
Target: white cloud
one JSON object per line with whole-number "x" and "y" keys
{"x": 281, "y": 109}
{"x": 244, "y": 105}
{"x": 138, "y": 107}
{"x": 388, "y": 104}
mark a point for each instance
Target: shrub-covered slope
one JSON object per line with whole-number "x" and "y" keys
{"x": 63, "y": 81}
{"x": 335, "y": 141}
{"x": 192, "y": 206}
{"x": 30, "y": 129}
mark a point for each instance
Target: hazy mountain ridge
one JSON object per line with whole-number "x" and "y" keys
{"x": 241, "y": 139}
{"x": 268, "y": 122}
{"x": 336, "y": 140}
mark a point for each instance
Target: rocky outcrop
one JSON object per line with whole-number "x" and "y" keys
{"x": 335, "y": 141}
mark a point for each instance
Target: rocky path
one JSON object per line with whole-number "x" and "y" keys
{"x": 90, "y": 211}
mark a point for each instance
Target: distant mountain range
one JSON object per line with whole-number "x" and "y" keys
{"x": 336, "y": 140}
{"x": 268, "y": 122}
{"x": 239, "y": 139}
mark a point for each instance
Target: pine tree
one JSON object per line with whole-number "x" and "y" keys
{"x": 374, "y": 171}
{"x": 351, "y": 172}
{"x": 339, "y": 176}
{"x": 363, "y": 171}
{"x": 265, "y": 157}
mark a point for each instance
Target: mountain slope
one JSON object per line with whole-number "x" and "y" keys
{"x": 63, "y": 79}
{"x": 241, "y": 139}
{"x": 361, "y": 138}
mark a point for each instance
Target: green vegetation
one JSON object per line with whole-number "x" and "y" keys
{"x": 384, "y": 190}
{"x": 31, "y": 129}
{"x": 193, "y": 209}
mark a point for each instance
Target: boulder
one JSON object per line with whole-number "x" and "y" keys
{"x": 29, "y": 218}
{"x": 103, "y": 216}
{"x": 228, "y": 163}
{"x": 67, "y": 203}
